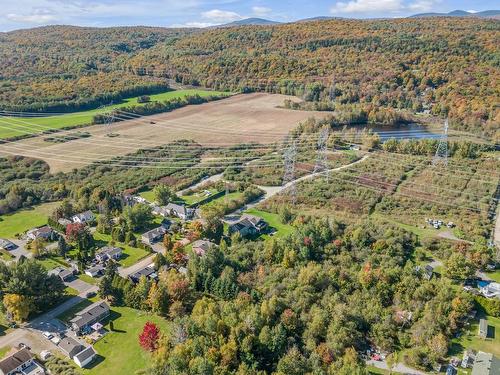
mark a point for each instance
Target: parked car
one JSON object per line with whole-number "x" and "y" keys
{"x": 90, "y": 294}
{"x": 47, "y": 335}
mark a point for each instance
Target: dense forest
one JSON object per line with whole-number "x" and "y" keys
{"x": 441, "y": 66}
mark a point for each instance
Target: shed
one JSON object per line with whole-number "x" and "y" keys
{"x": 483, "y": 328}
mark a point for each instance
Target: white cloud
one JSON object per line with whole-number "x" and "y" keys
{"x": 261, "y": 11}
{"x": 422, "y": 5}
{"x": 193, "y": 24}
{"x": 472, "y": 11}
{"x": 36, "y": 16}
{"x": 367, "y": 6}
{"x": 221, "y": 16}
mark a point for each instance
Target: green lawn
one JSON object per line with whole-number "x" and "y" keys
{"x": 197, "y": 197}
{"x": 130, "y": 256}
{"x": 148, "y": 195}
{"x": 23, "y": 220}
{"x": 494, "y": 275}
{"x": 31, "y": 125}
{"x": 51, "y": 262}
{"x": 274, "y": 222}
{"x": 420, "y": 232}
{"x": 470, "y": 339}
{"x": 119, "y": 351}
{"x": 88, "y": 279}
{"x": 4, "y": 351}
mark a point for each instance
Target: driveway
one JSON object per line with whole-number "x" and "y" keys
{"x": 125, "y": 272}
{"x": 79, "y": 285}
{"x": 20, "y": 250}
{"x": 400, "y": 368}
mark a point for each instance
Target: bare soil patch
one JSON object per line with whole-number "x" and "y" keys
{"x": 238, "y": 119}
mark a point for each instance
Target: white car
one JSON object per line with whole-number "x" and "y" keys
{"x": 47, "y": 335}
{"x": 55, "y": 339}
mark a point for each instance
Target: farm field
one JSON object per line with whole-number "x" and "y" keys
{"x": 235, "y": 120}
{"x": 11, "y": 127}
{"x": 21, "y": 221}
{"x": 119, "y": 351}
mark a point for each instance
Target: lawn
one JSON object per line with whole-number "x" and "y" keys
{"x": 119, "y": 351}
{"x": 197, "y": 197}
{"x": 274, "y": 222}
{"x": 148, "y": 195}
{"x": 51, "y": 262}
{"x": 470, "y": 339}
{"x": 88, "y": 279}
{"x": 30, "y": 125}
{"x": 4, "y": 351}
{"x": 130, "y": 256}
{"x": 494, "y": 275}
{"x": 23, "y": 220}
{"x": 417, "y": 230}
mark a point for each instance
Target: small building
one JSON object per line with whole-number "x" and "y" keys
{"x": 65, "y": 274}
{"x": 248, "y": 225}
{"x": 95, "y": 271}
{"x": 83, "y": 320}
{"x": 486, "y": 364}
{"x": 20, "y": 362}
{"x": 154, "y": 235}
{"x": 148, "y": 272}
{"x": 70, "y": 346}
{"x": 44, "y": 232}
{"x": 200, "y": 247}
{"x": 85, "y": 357}
{"x": 160, "y": 211}
{"x": 180, "y": 211}
{"x": 427, "y": 271}
{"x": 64, "y": 222}
{"x": 107, "y": 253}
{"x": 7, "y": 245}
{"x": 468, "y": 358}
{"x": 83, "y": 218}
{"x": 483, "y": 328}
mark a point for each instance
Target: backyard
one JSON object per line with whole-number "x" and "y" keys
{"x": 273, "y": 220}
{"x": 130, "y": 256}
{"x": 23, "y": 220}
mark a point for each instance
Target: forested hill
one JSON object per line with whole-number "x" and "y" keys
{"x": 445, "y": 65}
{"x": 53, "y": 67}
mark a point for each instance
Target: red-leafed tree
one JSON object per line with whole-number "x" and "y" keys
{"x": 150, "y": 337}
{"x": 73, "y": 231}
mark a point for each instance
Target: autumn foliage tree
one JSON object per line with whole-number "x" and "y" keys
{"x": 150, "y": 337}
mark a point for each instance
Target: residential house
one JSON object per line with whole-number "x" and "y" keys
{"x": 85, "y": 357}
{"x": 154, "y": 235}
{"x": 64, "y": 222}
{"x": 84, "y": 217}
{"x": 70, "y": 346}
{"x": 84, "y": 319}
{"x": 180, "y": 211}
{"x": 149, "y": 272}
{"x": 64, "y": 274}
{"x": 160, "y": 211}
{"x": 483, "y": 328}
{"x": 468, "y": 358}
{"x": 7, "y": 245}
{"x": 427, "y": 271}
{"x": 20, "y": 362}
{"x": 486, "y": 364}
{"x": 248, "y": 225}
{"x": 490, "y": 290}
{"x": 107, "y": 253}
{"x": 200, "y": 247}
{"x": 44, "y": 232}
{"x": 95, "y": 271}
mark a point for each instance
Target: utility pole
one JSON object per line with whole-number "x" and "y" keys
{"x": 110, "y": 117}
{"x": 441, "y": 157}
{"x": 290, "y": 156}
{"x": 321, "y": 159}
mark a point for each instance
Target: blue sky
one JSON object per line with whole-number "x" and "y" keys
{"x": 18, "y": 14}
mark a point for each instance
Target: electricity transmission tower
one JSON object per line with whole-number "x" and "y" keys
{"x": 109, "y": 119}
{"x": 321, "y": 159}
{"x": 441, "y": 157}
{"x": 289, "y": 156}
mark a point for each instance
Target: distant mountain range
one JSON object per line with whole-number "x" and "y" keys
{"x": 456, "y": 13}
{"x": 461, "y": 13}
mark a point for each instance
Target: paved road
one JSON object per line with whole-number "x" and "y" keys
{"x": 397, "y": 368}
{"x": 214, "y": 178}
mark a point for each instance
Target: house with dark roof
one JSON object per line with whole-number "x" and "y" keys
{"x": 44, "y": 232}
{"x": 148, "y": 272}
{"x": 486, "y": 364}
{"x": 95, "y": 271}
{"x": 20, "y": 362}
{"x": 83, "y": 217}
{"x": 65, "y": 274}
{"x": 154, "y": 235}
{"x": 85, "y": 357}
{"x": 7, "y": 245}
{"x": 200, "y": 247}
{"x": 70, "y": 346}
{"x": 107, "y": 253}
{"x": 248, "y": 225}
{"x": 83, "y": 320}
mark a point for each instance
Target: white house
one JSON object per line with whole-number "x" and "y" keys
{"x": 108, "y": 253}
{"x": 43, "y": 232}
{"x": 86, "y": 356}
{"x": 95, "y": 271}
{"x": 180, "y": 211}
{"x": 20, "y": 362}
{"x": 491, "y": 290}
{"x": 84, "y": 217}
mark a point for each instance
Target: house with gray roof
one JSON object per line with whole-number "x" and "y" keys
{"x": 95, "y": 271}
{"x": 83, "y": 217}
{"x": 107, "y": 253}
{"x": 84, "y": 319}
{"x": 85, "y": 357}
{"x": 20, "y": 362}
{"x": 70, "y": 346}
{"x": 486, "y": 364}
{"x": 7, "y": 245}
{"x": 248, "y": 225}
{"x": 200, "y": 247}
{"x": 44, "y": 232}
{"x": 154, "y": 235}
{"x": 148, "y": 272}
{"x": 180, "y": 211}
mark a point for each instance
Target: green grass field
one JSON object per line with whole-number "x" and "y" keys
{"x": 32, "y": 125}
{"x": 21, "y": 221}
{"x": 274, "y": 222}
{"x": 471, "y": 340}
{"x": 119, "y": 351}
{"x": 51, "y": 262}
{"x": 131, "y": 255}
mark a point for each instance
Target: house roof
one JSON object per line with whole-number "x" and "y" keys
{"x": 65, "y": 273}
{"x": 42, "y": 230}
{"x": 15, "y": 360}
{"x": 85, "y": 354}
{"x": 84, "y": 216}
{"x": 90, "y": 314}
{"x": 95, "y": 269}
{"x": 110, "y": 251}
{"x": 247, "y": 221}
{"x": 147, "y": 271}
{"x": 486, "y": 364}
{"x": 202, "y": 245}
{"x": 6, "y": 243}
{"x": 154, "y": 233}
{"x": 69, "y": 344}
